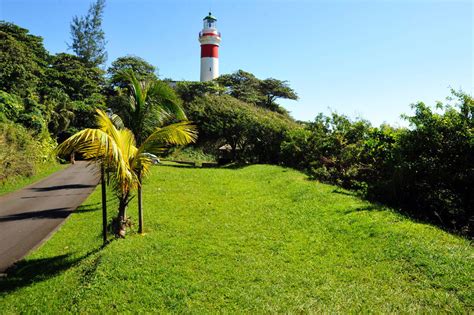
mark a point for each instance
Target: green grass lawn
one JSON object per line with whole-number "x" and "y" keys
{"x": 43, "y": 171}
{"x": 257, "y": 239}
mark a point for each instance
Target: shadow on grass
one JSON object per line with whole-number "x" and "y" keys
{"x": 234, "y": 166}
{"x": 27, "y": 272}
{"x": 207, "y": 165}
{"x": 89, "y": 208}
{"x": 97, "y": 206}
{"x": 178, "y": 165}
{"x": 345, "y": 192}
{"x": 365, "y": 208}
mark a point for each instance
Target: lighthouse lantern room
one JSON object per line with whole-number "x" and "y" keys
{"x": 210, "y": 40}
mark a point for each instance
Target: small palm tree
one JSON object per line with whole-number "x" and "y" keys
{"x": 116, "y": 149}
{"x": 150, "y": 103}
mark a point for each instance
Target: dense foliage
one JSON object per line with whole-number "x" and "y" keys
{"x": 426, "y": 169}
{"x": 264, "y": 93}
{"x": 20, "y": 153}
{"x": 43, "y": 98}
{"x": 50, "y": 92}
{"x": 253, "y": 134}
{"x": 189, "y": 90}
{"x": 140, "y": 67}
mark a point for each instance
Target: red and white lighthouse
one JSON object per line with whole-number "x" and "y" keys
{"x": 210, "y": 39}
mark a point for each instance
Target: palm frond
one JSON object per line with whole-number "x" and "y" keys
{"x": 167, "y": 100}
{"x": 117, "y": 121}
{"x": 175, "y": 134}
{"x": 92, "y": 143}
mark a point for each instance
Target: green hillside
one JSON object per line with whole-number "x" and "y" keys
{"x": 260, "y": 238}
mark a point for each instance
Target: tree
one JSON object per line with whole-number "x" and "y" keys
{"x": 23, "y": 60}
{"x": 188, "y": 91}
{"x": 88, "y": 38}
{"x": 71, "y": 86}
{"x": 140, "y": 67}
{"x": 248, "y": 88}
{"x": 59, "y": 112}
{"x": 72, "y": 75}
{"x": 273, "y": 89}
{"x": 117, "y": 150}
{"x": 146, "y": 104}
{"x": 241, "y": 85}
{"x": 59, "y": 91}
{"x": 254, "y": 134}
{"x": 150, "y": 103}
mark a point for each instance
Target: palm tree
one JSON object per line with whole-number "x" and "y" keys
{"x": 116, "y": 149}
{"x": 150, "y": 103}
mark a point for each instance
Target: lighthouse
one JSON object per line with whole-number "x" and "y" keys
{"x": 210, "y": 39}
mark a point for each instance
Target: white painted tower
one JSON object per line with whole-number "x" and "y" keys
{"x": 210, "y": 39}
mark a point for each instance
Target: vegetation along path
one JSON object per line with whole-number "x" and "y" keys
{"x": 258, "y": 239}
{"x": 30, "y": 215}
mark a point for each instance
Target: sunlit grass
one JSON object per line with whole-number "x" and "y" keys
{"x": 257, "y": 239}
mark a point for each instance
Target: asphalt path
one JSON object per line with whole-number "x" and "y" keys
{"x": 31, "y": 215}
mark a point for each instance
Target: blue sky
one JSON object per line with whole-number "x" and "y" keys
{"x": 361, "y": 58}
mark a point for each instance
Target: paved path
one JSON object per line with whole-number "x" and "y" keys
{"x": 30, "y": 215}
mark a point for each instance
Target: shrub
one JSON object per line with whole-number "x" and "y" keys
{"x": 330, "y": 148}
{"x": 20, "y": 153}
{"x": 427, "y": 169}
{"x": 435, "y": 162}
{"x": 10, "y": 106}
{"x": 254, "y": 134}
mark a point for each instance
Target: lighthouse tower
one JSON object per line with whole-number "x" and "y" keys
{"x": 210, "y": 39}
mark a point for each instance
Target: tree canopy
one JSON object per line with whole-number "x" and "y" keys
{"x": 189, "y": 90}
{"x": 145, "y": 103}
{"x": 253, "y": 133}
{"x": 248, "y": 88}
{"x": 22, "y": 60}
{"x": 142, "y": 70}
{"x": 88, "y": 38}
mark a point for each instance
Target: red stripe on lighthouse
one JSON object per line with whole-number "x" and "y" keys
{"x": 209, "y": 51}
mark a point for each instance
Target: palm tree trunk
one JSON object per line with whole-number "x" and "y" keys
{"x": 140, "y": 211}
{"x": 122, "y": 217}
{"x": 104, "y": 203}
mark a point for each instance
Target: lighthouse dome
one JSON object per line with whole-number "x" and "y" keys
{"x": 209, "y": 22}
{"x": 209, "y": 17}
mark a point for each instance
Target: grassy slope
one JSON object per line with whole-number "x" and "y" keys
{"x": 43, "y": 171}
{"x": 262, "y": 238}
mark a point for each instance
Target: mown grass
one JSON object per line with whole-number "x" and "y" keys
{"x": 256, "y": 239}
{"x": 18, "y": 182}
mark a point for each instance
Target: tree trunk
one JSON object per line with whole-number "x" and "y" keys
{"x": 104, "y": 203}
{"x": 140, "y": 211}
{"x": 122, "y": 218}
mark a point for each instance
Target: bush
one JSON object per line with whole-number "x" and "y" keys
{"x": 191, "y": 153}
{"x": 20, "y": 154}
{"x": 435, "y": 162}
{"x": 330, "y": 148}
{"x": 253, "y": 134}
{"x": 10, "y": 106}
{"x": 427, "y": 169}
